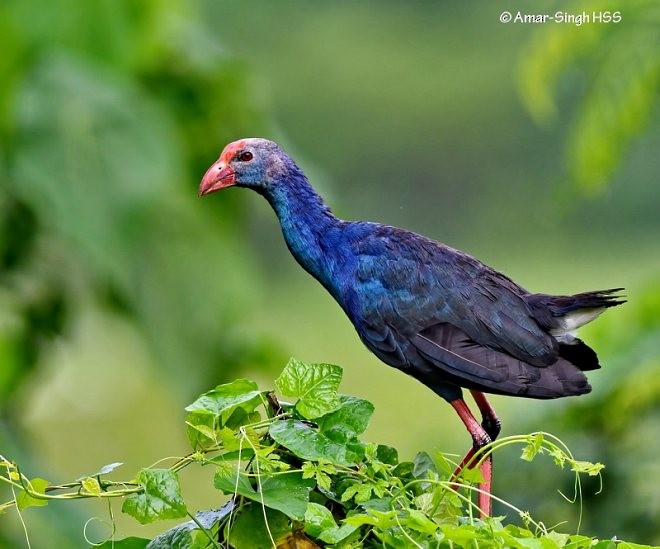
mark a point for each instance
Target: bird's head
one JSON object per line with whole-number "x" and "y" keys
{"x": 255, "y": 163}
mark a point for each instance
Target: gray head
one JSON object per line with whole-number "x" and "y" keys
{"x": 255, "y": 163}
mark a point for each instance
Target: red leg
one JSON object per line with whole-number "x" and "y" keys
{"x": 490, "y": 422}
{"x": 479, "y": 439}
{"x": 466, "y": 459}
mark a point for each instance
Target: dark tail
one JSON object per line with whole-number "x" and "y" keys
{"x": 548, "y": 310}
{"x": 579, "y": 354}
{"x": 561, "y": 315}
{"x": 560, "y": 305}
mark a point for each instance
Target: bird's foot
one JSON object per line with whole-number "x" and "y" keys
{"x": 492, "y": 426}
{"x": 480, "y": 440}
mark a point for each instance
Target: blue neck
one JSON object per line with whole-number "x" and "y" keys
{"x": 310, "y": 229}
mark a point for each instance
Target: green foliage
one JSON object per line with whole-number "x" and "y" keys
{"x": 159, "y": 497}
{"x": 335, "y": 436}
{"x": 31, "y": 498}
{"x": 293, "y": 481}
{"x": 287, "y": 491}
{"x": 621, "y": 66}
{"x": 315, "y": 389}
{"x": 213, "y": 415}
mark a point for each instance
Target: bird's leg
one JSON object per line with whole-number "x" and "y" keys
{"x": 480, "y": 438}
{"x": 489, "y": 420}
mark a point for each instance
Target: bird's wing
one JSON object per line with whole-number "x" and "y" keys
{"x": 406, "y": 283}
{"x": 468, "y": 364}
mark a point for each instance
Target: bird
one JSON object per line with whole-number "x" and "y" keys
{"x": 425, "y": 308}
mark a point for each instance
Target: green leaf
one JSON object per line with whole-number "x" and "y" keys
{"x": 24, "y": 500}
{"x": 592, "y": 469}
{"x": 207, "y": 432}
{"x": 417, "y": 520}
{"x": 381, "y": 504}
{"x": 317, "y": 519}
{"x": 308, "y": 443}
{"x": 472, "y": 475}
{"x": 387, "y": 454}
{"x": 442, "y": 464}
{"x": 380, "y": 519}
{"x": 334, "y": 440}
{"x": 461, "y": 536}
{"x": 272, "y": 463}
{"x": 250, "y": 438}
{"x": 361, "y": 492}
{"x": 180, "y": 537}
{"x": 338, "y": 533}
{"x": 286, "y": 492}
{"x": 249, "y": 529}
{"x": 404, "y": 470}
{"x": 91, "y": 485}
{"x": 228, "y": 439}
{"x": 361, "y": 520}
{"x": 225, "y": 399}
{"x": 519, "y": 538}
{"x": 559, "y": 539}
{"x": 371, "y": 458}
{"x": 320, "y": 472}
{"x": 423, "y": 466}
{"x": 626, "y": 545}
{"x": 160, "y": 498}
{"x": 320, "y": 524}
{"x": 558, "y": 456}
{"x": 240, "y": 417}
{"x": 314, "y": 385}
{"x": 349, "y": 420}
{"x": 231, "y": 404}
{"x": 533, "y": 447}
{"x": 188, "y": 535}
{"x": 201, "y": 429}
{"x": 605, "y": 544}
{"x": 425, "y": 501}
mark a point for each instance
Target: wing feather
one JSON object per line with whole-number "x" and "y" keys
{"x": 412, "y": 282}
{"x": 478, "y": 367}
{"x": 451, "y": 321}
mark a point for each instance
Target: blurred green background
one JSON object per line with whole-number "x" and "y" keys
{"x": 123, "y": 296}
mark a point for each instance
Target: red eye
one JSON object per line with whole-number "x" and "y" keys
{"x": 245, "y": 156}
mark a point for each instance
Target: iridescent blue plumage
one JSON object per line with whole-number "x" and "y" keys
{"x": 427, "y": 309}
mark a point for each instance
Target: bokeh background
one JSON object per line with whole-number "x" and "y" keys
{"x": 123, "y": 296}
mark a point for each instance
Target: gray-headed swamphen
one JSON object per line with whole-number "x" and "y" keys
{"x": 429, "y": 310}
